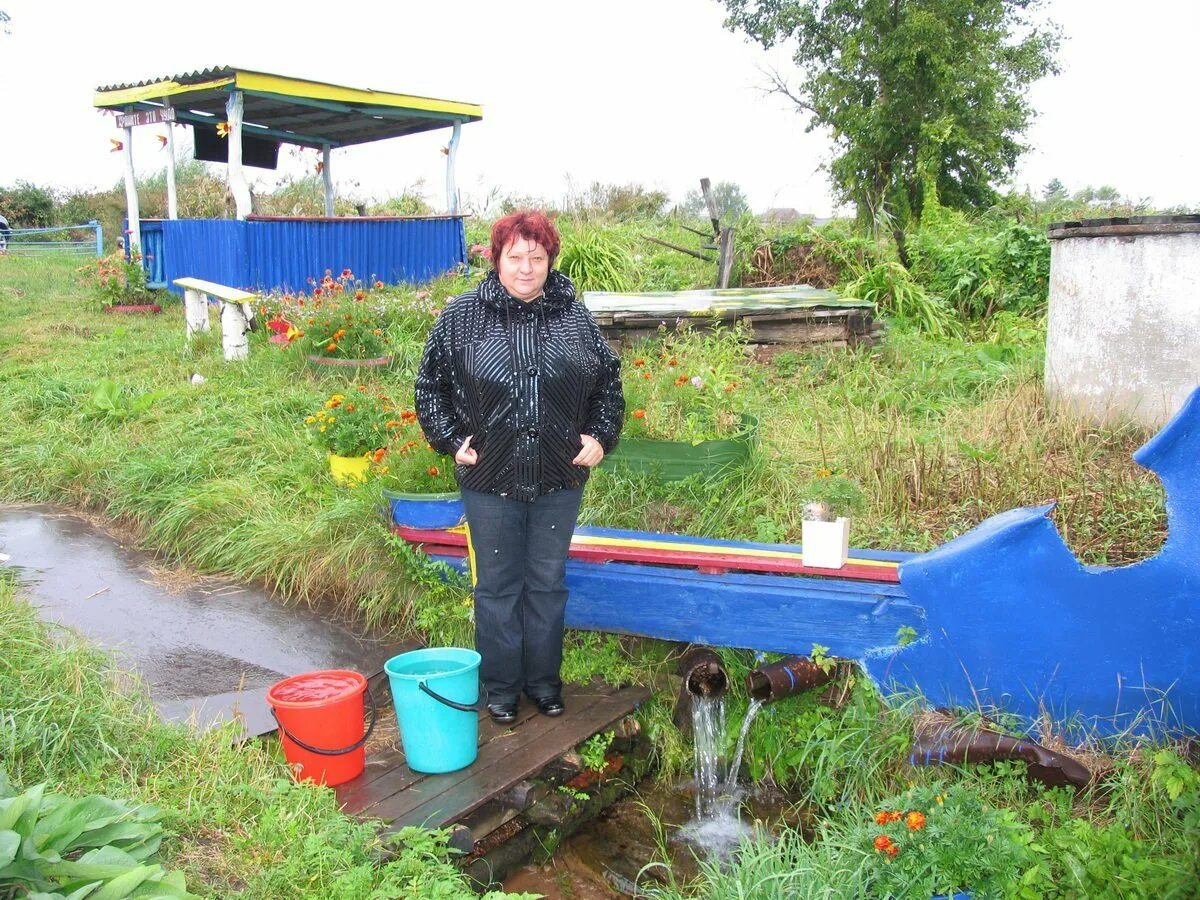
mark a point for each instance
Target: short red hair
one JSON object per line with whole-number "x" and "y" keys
{"x": 530, "y": 224}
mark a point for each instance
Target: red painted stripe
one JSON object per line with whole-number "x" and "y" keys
{"x": 445, "y": 543}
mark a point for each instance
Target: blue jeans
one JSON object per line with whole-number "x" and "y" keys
{"x": 520, "y": 562}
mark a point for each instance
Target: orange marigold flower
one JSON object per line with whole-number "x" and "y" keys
{"x": 892, "y": 850}
{"x": 378, "y": 332}
{"x": 639, "y": 414}
{"x": 392, "y": 423}
{"x": 882, "y": 818}
{"x": 408, "y": 416}
{"x": 681, "y": 381}
{"x": 331, "y": 346}
{"x": 915, "y": 821}
{"x": 882, "y": 842}
{"x": 350, "y": 407}
{"x": 646, "y": 376}
{"x": 639, "y": 362}
{"x": 434, "y": 471}
{"x": 672, "y": 361}
{"x": 380, "y": 454}
{"x": 731, "y": 387}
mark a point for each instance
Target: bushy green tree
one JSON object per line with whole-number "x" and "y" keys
{"x": 728, "y": 196}
{"x": 919, "y": 95}
{"x": 26, "y": 205}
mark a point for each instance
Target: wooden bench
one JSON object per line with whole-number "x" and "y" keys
{"x": 237, "y": 313}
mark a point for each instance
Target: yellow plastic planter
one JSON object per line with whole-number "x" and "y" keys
{"x": 349, "y": 469}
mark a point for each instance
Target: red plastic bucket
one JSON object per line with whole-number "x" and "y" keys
{"x": 320, "y": 716}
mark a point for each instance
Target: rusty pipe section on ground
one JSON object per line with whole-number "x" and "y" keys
{"x": 945, "y": 742}
{"x": 703, "y": 675}
{"x": 786, "y": 677}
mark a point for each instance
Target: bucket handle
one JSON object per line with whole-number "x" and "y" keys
{"x": 453, "y": 704}
{"x": 321, "y": 752}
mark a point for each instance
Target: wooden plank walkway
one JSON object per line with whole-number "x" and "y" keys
{"x": 388, "y": 789}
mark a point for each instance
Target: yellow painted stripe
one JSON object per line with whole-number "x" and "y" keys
{"x": 315, "y": 90}
{"x": 156, "y": 91}
{"x": 594, "y": 540}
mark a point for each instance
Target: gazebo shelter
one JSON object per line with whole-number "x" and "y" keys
{"x": 242, "y": 117}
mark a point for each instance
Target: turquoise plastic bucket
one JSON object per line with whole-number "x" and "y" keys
{"x": 435, "y": 692}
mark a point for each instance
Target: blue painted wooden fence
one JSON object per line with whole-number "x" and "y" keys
{"x": 265, "y": 254}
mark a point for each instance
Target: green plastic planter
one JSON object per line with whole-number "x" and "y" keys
{"x": 676, "y": 460}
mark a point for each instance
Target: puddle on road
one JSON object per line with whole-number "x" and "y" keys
{"x": 208, "y": 649}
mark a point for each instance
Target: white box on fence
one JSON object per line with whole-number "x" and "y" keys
{"x": 825, "y": 545}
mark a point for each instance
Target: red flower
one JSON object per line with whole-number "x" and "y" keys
{"x": 434, "y": 471}
{"x": 882, "y": 842}
{"x": 639, "y": 362}
{"x": 378, "y": 283}
{"x": 892, "y": 850}
{"x": 639, "y": 414}
{"x": 346, "y": 273}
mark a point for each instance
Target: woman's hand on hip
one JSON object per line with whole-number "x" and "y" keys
{"x": 465, "y": 455}
{"x": 591, "y": 454}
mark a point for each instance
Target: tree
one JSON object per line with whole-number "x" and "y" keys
{"x": 1054, "y": 190}
{"x": 924, "y": 98}
{"x": 728, "y": 196}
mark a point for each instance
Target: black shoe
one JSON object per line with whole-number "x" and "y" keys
{"x": 551, "y": 705}
{"x": 504, "y": 713}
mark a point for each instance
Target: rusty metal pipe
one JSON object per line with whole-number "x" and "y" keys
{"x": 703, "y": 676}
{"x": 935, "y": 744}
{"x": 785, "y": 678}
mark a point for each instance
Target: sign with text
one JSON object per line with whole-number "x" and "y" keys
{"x": 146, "y": 117}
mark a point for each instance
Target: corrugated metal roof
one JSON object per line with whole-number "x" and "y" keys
{"x": 195, "y": 77}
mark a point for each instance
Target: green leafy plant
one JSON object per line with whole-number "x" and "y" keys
{"x": 54, "y": 846}
{"x": 894, "y": 292}
{"x": 593, "y": 750}
{"x": 354, "y": 423}
{"x": 942, "y": 839}
{"x": 410, "y": 465}
{"x": 112, "y": 401}
{"x": 339, "y": 320}
{"x": 688, "y": 386}
{"x": 821, "y": 658}
{"x": 114, "y": 280}
{"x": 905, "y": 635}
{"x": 827, "y": 496}
{"x": 595, "y": 261}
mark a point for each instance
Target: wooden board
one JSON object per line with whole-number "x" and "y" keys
{"x": 389, "y": 790}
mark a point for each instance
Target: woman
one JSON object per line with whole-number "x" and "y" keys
{"x": 519, "y": 386}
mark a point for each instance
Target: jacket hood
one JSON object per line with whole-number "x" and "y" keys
{"x": 558, "y": 293}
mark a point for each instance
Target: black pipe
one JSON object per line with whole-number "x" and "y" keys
{"x": 787, "y": 677}
{"x": 935, "y": 744}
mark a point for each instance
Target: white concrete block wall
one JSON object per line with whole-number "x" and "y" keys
{"x": 1124, "y": 327}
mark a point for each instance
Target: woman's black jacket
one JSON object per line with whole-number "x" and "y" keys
{"x": 524, "y": 380}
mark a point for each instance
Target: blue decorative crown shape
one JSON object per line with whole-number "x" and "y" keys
{"x": 1014, "y": 621}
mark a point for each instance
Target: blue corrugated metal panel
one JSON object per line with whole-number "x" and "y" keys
{"x": 286, "y": 253}
{"x": 152, "y": 253}
{"x": 212, "y": 249}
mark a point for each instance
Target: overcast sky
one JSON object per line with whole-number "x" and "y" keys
{"x": 649, "y": 91}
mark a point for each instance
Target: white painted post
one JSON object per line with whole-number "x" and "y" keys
{"x": 134, "y": 242}
{"x": 195, "y": 306}
{"x": 451, "y": 188}
{"x": 237, "y": 177}
{"x": 172, "y": 197}
{"x": 234, "y": 328}
{"x": 327, "y": 178}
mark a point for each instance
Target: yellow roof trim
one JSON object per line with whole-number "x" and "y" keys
{"x": 315, "y": 90}
{"x": 156, "y": 91}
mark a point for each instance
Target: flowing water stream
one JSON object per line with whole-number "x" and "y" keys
{"x": 717, "y": 828}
